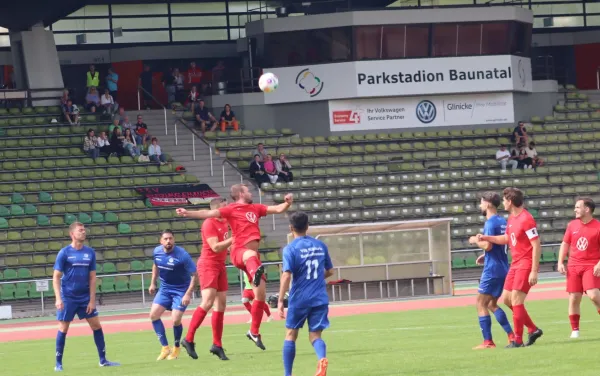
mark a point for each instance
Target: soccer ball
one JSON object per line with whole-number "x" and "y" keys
{"x": 268, "y": 82}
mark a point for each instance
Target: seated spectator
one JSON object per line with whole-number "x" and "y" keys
{"x": 203, "y": 116}
{"x": 64, "y": 98}
{"x": 155, "y": 153}
{"x": 116, "y": 140}
{"x": 114, "y": 125}
{"x": 130, "y": 145}
{"x": 92, "y": 100}
{"x": 126, "y": 124}
{"x": 108, "y": 102}
{"x": 228, "y": 119}
{"x": 261, "y": 152}
{"x": 103, "y": 144}
{"x": 519, "y": 135}
{"x": 284, "y": 169}
{"x": 89, "y": 144}
{"x": 257, "y": 171}
{"x": 141, "y": 132}
{"x": 270, "y": 169}
{"x": 71, "y": 113}
{"x": 122, "y": 115}
{"x": 504, "y": 157}
{"x": 532, "y": 153}
{"x": 520, "y": 155}
{"x": 192, "y": 99}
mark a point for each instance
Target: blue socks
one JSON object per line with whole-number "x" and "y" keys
{"x": 289, "y": 353}
{"x": 178, "y": 331}
{"x": 159, "y": 329}
{"x": 60, "y": 346}
{"x": 485, "y": 322}
{"x": 503, "y": 320}
{"x": 320, "y": 348}
{"x": 99, "y": 340}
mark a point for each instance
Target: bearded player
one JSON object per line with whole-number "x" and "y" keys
{"x": 525, "y": 247}
{"x": 495, "y": 268}
{"x": 243, "y": 217}
{"x": 212, "y": 275}
{"x": 582, "y": 242}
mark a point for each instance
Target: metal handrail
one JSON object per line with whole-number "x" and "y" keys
{"x": 479, "y": 249}
{"x": 195, "y": 133}
{"x": 155, "y": 100}
{"x": 598, "y": 78}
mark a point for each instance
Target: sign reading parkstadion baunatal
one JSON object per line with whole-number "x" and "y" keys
{"x": 405, "y": 77}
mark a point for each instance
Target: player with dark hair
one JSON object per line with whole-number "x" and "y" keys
{"x": 307, "y": 261}
{"x": 582, "y": 243}
{"x": 495, "y": 267}
{"x": 74, "y": 283}
{"x": 525, "y": 247}
{"x": 175, "y": 269}
{"x": 243, "y": 217}
{"x": 212, "y": 275}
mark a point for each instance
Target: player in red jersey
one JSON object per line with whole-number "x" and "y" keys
{"x": 582, "y": 242}
{"x": 525, "y": 247}
{"x": 243, "y": 217}
{"x": 212, "y": 275}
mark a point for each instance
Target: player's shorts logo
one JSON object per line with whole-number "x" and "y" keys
{"x": 251, "y": 217}
{"x": 513, "y": 239}
{"x": 582, "y": 244}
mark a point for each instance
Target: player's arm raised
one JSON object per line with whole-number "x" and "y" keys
{"x": 217, "y": 246}
{"x": 198, "y": 214}
{"x": 283, "y": 207}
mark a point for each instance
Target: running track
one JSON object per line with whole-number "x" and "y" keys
{"x": 139, "y": 322}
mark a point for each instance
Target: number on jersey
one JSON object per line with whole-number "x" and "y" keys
{"x": 314, "y": 264}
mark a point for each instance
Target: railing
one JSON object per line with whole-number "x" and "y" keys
{"x": 598, "y": 78}
{"x": 195, "y": 135}
{"x": 479, "y": 249}
{"x": 156, "y": 101}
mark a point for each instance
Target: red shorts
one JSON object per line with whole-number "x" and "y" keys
{"x": 248, "y": 294}
{"x": 517, "y": 279}
{"x": 581, "y": 278}
{"x": 213, "y": 277}
{"x": 237, "y": 259}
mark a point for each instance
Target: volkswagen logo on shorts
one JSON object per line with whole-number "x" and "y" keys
{"x": 426, "y": 112}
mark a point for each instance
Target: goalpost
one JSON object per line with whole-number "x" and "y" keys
{"x": 386, "y": 260}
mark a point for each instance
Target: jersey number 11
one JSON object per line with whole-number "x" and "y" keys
{"x": 315, "y": 265}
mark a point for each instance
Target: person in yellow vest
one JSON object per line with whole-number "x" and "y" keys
{"x": 248, "y": 297}
{"x": 93, "y": 77}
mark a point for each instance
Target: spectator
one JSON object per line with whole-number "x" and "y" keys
{"x": 71, "y": 113}
{"x": 520, "y": 155}
{"x": 504, "y": 157}
{"x": 170, "y": 85}
{"x": 194, "y": 75}
{"x": 257, "y": 171}
{"x": 89, "y": 144}
{"x": 108, "y": 102}
{"x": 261, "y": 152}
{"x": 64, "y": 98}
{"x": 112, "y": 80}
{"x": 155, "y": 153}
{"x": 532, "y": 153}
{"x": 284, "y": 169}
{"x": 203, "y": 116}
{"x": 103, "y": 144}
{"x": 116, "y": 140}
{"x": 130, "y": 145}
{"x": 519, "y": 135}
{"x": 218, "y": 75}
{"x": 126, "y": 124}
{"x": 93, "y": 78}
{"x": 141, "y": 132}
{"x": 114, "y": 125}
{"x": 92, "y": 100}
{"x": 145, "y": 82}
{"x": 192, "y": 99}
{"x": 228, "y": 119}
{"x": 270, "y": 169}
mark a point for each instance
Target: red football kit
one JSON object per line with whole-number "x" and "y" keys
{"x": 520, "y": 230}
{"x": 584, "y": 254}
{"x": 211, "y": 265}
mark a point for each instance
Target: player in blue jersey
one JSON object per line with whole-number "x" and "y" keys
{"x": 495, "y": 268}
{"x": 176, "y": 271}
{"x": 307, "y": 260}
{"x": 74, "y": 282}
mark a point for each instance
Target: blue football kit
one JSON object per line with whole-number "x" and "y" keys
{"x": 175, "y": 271}
{"x": 495, "y": 265}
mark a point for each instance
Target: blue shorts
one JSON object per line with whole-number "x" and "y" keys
{"x": 71, "y": 308}
{"x": 316, "y": 316}
{"x": 170, "y": 299}
{"x": 491, "y": 286}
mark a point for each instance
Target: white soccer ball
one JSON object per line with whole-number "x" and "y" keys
{"x": 268, "y": 82}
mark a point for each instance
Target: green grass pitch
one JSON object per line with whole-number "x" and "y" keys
{"x": 428, "y": 342}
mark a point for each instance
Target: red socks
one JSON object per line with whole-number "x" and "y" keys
{"x": 574, "y": 319}
{"x": 248, "y": 306}
{"x": 197, "y": 318}
{"x": 252, "y": 265}
{"x": 519, "y": 313}
{"x": 217, "y": 327}
{"x": 257, "y": 313}
{"x": 266, "y": 309}
{"x": 531, "y": 327}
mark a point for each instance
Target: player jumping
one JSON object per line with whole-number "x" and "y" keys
{"x": 212, "y": 274}
{"x": 307, "y": 260}
{"x": 248, "y": 298}
{"x": 74, "y": 283}
{"x": 243, "y": 217}
{"x": 175, "y": 269}
{"x": 582, "y": 241}
{"x": 495, "y": 267}
{"x": 524, "y": 242}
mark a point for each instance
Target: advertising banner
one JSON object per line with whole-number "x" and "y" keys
{"x": 174, "y": 195}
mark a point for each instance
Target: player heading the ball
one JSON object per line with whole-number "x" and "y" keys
{"x": 243, "y": 217}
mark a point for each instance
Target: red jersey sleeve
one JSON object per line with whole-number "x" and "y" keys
{"x": 530, "y": 228}
{"x": 261, "y": 210}
{"x": 210, "y": 230}
{"x": 568, "y": 233}
{"x": 226, "y": 212}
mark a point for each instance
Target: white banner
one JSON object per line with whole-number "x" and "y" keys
{"x": 378, "y": 78}
{"x": 413, "y": 112}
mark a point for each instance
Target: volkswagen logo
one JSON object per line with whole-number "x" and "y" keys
{"x": 426, "y": 112}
